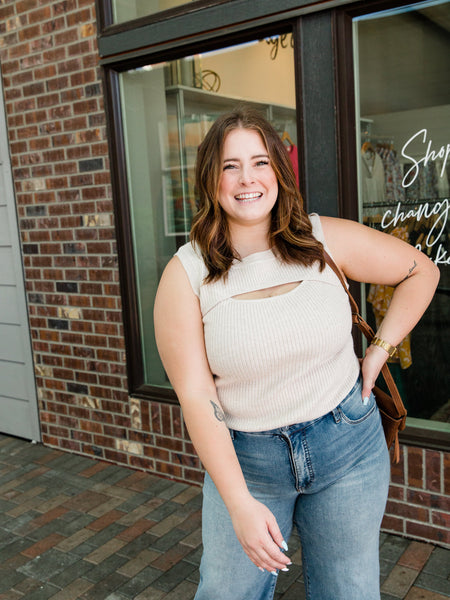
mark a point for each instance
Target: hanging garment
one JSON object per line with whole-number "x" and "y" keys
{"x": 293, "y": 155}
{"x": 426, "y": 184}
{"x": 372, "y": 179}
{"x": 442, "y": 180}
{"x": 394, "y": 191}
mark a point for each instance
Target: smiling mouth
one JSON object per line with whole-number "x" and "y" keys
{"x": 248, "y": 197}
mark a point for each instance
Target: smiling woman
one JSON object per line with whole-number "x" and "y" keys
{"x": 225, "y": 173}
{"x": 248, "y": 187}
{"x": 265, "y": 370}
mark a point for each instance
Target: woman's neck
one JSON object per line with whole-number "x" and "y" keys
{"x": 248, "y": 240}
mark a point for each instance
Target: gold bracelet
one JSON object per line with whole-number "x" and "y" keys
{"x": 390, "y": 349}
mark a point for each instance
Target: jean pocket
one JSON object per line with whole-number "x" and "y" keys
{"x": 353, "y": 410}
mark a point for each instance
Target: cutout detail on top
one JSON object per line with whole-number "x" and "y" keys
{"x": 270, "y": 292}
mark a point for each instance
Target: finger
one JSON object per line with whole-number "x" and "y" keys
{"x": 277, "y": 558}
{"x": 276, "y": 534}
{"x": 256, "y": 564}
{"x": 267, "y": 555}
{"x": 367, "y": 386}
{"x": 273, "y": 558}
{"x": 267, "y": 562}
{"x": 365, "y": 394}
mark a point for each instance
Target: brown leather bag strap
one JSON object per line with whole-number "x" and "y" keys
{"x": 367, "y": 330}
{"x": 330, "y": 262}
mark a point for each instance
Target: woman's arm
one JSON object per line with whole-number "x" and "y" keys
{"x": 180, "y": 341}
{"x": 369, "y": 256}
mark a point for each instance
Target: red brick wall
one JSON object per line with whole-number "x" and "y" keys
{"x": 59, "y": 155}
{"x": 56, "y": 123}
{"x": 419, "y": 499}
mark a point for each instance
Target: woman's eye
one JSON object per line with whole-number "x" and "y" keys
{"x": 262, "y": 163}
{"x": 227, "y": 167}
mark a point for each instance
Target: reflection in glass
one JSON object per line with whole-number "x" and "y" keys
{"x": 167, "y": 109}
{"x": 402, "y": 72}
{"x": 125, "y": 10}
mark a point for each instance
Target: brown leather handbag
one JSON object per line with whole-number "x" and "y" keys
{"x": 390, "y": 405}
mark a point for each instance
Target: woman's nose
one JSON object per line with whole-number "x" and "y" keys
{"x": 246, "y": 175}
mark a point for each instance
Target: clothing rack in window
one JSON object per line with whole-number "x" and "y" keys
{"x": 406, "y": 202}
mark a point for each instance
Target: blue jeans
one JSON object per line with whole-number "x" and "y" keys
{"x": 328, "y": 477}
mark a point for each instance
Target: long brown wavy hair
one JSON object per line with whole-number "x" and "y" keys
{"x": 290, "y": 232}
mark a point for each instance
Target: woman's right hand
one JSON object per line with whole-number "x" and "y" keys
{"x": 257, "y": 530}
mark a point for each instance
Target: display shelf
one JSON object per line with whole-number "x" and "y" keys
{"x": 190, "y": 114}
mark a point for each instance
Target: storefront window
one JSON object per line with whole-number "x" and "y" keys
{"x": 402, "y": 68}
{"x": 125, "y": 10}
{"x": 167, "y": 109}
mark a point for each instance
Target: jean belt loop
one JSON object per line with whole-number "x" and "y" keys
{"x": 336, "y": 414}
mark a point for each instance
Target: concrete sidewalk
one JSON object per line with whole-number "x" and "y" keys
{"x": 74, "y": 527}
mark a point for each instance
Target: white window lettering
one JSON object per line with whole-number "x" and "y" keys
{"x": 426, "y": 210}
{"x": 430, "y": 155}
{"x": 441, "y": 257}
{"x": 438, "y": 227}
{"x": 434, "y": 214}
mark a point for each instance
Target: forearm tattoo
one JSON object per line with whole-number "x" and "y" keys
{"x": 218, "y": 413}
{"x": 410, "y": 271}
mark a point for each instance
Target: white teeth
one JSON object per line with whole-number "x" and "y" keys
{"x": 249, "y": 196}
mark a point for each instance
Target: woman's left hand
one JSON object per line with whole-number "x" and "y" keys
{"x": 371, "y": 366}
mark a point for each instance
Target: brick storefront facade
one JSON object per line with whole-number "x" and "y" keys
{"x": 59, "y": 153}
{"x": 419, "y": 498}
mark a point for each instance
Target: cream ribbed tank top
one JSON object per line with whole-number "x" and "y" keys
{"x": 280, "y": 360}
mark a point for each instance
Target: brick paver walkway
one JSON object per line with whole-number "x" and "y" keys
{"x": 74, "y": 527}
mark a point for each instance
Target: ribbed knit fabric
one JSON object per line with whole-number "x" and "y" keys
{"x": 279, "y": 360}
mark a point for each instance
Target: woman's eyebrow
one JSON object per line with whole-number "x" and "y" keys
{"x": 252, "y": 158}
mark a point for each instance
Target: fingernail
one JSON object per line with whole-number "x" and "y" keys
{"x": 290, "y": 562}
{"x": 261, "y": 569}
{"x": 274, "y": 573}
{"x": 284, "y": 545}
{"x": 366, "y": 401}
{"x": 285, "y": 569}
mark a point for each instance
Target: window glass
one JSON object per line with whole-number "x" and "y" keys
{"x": 402, "y": 74}
{"x": 167, "y": 109}
{"x": 125, "y": 10}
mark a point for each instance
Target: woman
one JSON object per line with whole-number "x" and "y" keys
{"x": 254, "y": 331}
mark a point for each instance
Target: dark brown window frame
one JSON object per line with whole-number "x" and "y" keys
{"x": 108, "y": 27}
{"x": 340, "y": 19}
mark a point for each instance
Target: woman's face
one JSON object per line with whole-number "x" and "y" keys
{"x": 248, "y": 187}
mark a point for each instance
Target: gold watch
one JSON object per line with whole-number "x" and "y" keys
{"x": 390, "y": 349}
